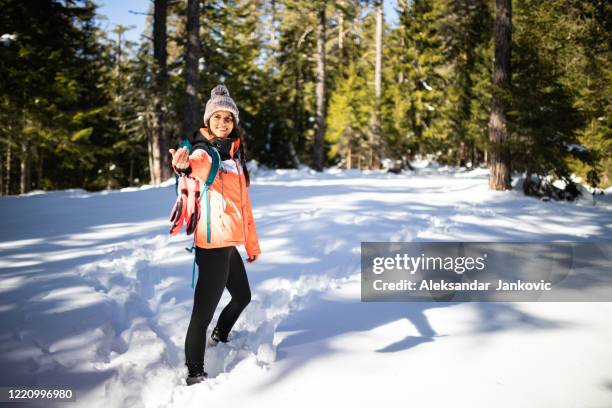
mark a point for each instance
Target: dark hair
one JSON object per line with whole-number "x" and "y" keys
{"x": 238, "y": 132}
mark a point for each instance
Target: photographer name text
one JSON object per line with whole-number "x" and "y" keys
{"x": 409, "y": 285}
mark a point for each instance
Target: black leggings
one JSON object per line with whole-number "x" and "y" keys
{"x": 218, "y": 268}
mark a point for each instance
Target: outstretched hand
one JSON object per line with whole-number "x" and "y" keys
{"x": 180, "y": 158}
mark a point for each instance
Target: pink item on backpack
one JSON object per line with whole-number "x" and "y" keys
{"x": 179, "y": 211}
{"x": 193, "y": 204}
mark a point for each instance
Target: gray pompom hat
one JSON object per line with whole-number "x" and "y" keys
{"x": 220, "y": 100}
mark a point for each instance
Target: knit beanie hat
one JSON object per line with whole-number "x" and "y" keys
{"x": 220, "y": 100}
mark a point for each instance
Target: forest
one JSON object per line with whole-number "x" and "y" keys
{"x": 522, "y": 87}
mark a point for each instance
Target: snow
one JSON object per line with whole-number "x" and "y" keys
{"x": 426, "y": 85}
{"x": 96, "y": 296}
{"x": 7, "y": 38}
{"x": 576, "y": 147}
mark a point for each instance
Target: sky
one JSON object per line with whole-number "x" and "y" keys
{"x": 118, "y": 12}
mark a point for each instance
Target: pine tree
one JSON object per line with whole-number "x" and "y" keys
{"x": 159, "y": 139}
{"x": 582, "y": 31}
{"x": 545, "y": 123}
{"x": 127, "y": 109}
{"x": 467, "y": 30}
{"x": 296, "y": 74}
{"x": 52, "y": 75}
{"x": 191, "y": 110}
{"x": 416, "y": 101}
{"x": 79, "y": 108}
{"x": 348, "y": 119}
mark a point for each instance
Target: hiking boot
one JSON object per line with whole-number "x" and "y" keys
{"x": 196, "y": 372}
{"x": 215, "y": 338}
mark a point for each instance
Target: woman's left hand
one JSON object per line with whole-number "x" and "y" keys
{"x": 252, "y": 259}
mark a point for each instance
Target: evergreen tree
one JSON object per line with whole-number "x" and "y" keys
{"x": 467, "y": 30}
{"x": 52, "y": 71}
{"x": 159, "y": 139}
{"x": 128, "y": 98}
{"x": 545, "y": 123}
{"x": 348, "y": 120}
{"x": 191, "y": 110}
{"x": 80, "y": 107}
{"x": 305, "y": 42}
{"x": 583, "y": 37}
{"x": 416, "y": 99}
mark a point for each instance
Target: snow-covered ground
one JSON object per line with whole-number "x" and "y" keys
{"x": 96, "y": 296}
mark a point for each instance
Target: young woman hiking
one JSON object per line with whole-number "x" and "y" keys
{"x": 231, "y": 224}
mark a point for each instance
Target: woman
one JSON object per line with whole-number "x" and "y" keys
{"x": 231, "y": 224}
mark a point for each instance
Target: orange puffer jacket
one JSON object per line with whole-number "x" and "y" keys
{"x": 231, "y": 216}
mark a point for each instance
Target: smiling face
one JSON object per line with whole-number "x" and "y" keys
{"x": 221, "y": 124}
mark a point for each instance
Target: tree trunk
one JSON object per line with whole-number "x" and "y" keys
{"x": 378, "y": 68}
{"x": 499, "y": 155}
{"x": 348, "y": 158}
{"x": 272, "y": 25}
{"x": 131, "y": 176}
{"x": 473, "y": 154}
{"x": 1, "y": 172}
{"x": 119, "y": 82}
{"x": 375, "y": 135}
{"x": 7, "y": 185}
{"x": 39, "y": 169}
{"x": 150, "y": 156}
{"x": 320, "y": 91}
{"x": 24, "y": 182}
{"x": 191, "y": 118}
{"x": 159, "y": 160}
{"x": 341, "y": 31}
{"x": 297, "y": 101}
{"x": 108, "y": 176}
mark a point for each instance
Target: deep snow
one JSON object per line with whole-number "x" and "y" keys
{"x": 96, "y": 297}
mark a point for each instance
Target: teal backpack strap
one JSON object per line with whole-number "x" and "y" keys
{"x": 214, "y": 169}
{"x": 194, "y": 262}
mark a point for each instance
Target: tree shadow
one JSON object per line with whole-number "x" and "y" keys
{"x": 323, "y": 319}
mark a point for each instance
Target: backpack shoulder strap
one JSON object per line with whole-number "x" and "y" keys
{"x": 214, "y": 169}
{"x": 185, "y": 143}
{"x": 214, "y": 166}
